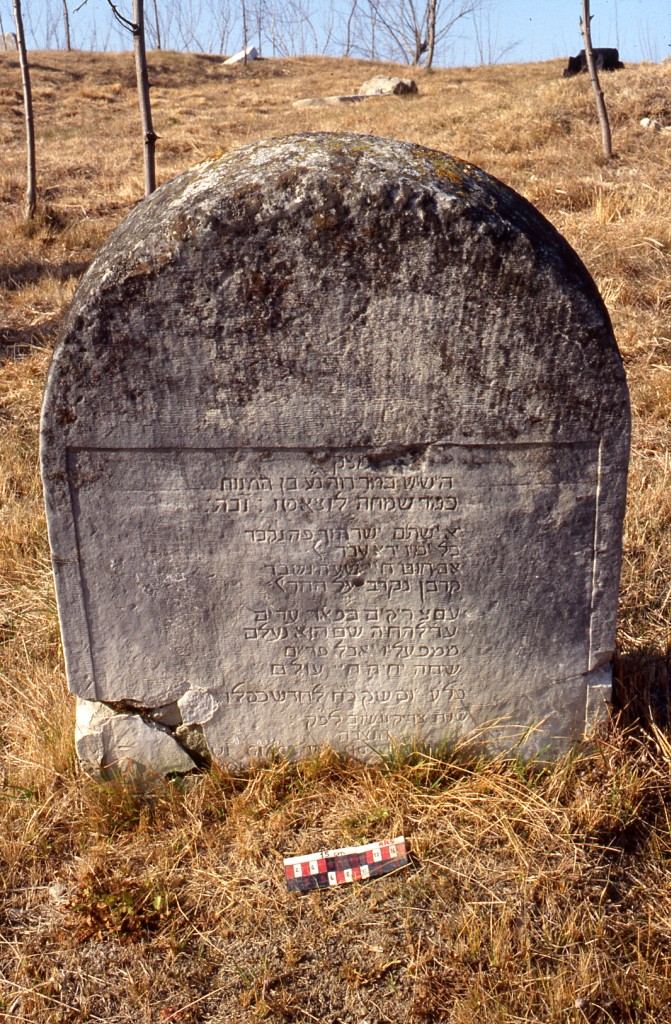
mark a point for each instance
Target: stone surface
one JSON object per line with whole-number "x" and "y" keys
{"x": 387, "y": 85}
{"x": 9, "y": 41}
{"x": 328, "y": 101}
{"x": 334, "y": 447}
{"x": 251, "y": 53}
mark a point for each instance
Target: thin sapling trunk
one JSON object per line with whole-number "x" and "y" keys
{"x": 31, "y": 185}
{"x": 157, "y": 26}
{"x": 66, "y": 22}
{"x": 141, "y": 69}
{"x": 431, "y": 36}
{"x": 149, "y": 136}
{"x": 594, "y": 77}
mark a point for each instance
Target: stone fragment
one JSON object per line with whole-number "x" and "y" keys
{"x": 196, "y": 706}
{"x": 334, "y": 447}
{"x": 89, "y": 722}
{"x": 9, "y": 41}
{"x": 387, "y": 85}
{"x": 251, "y": 53}
{"x": 108, "y": 741}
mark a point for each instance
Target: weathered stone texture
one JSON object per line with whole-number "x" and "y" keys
{"x": 388, "y": 85}
{"x": 334, "y": 447}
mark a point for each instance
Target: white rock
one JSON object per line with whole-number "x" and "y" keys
{"x": 651, "y": 123}
{"x": 387, "y": 85}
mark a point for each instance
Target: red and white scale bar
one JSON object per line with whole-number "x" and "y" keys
{"x": 348, "y": 864}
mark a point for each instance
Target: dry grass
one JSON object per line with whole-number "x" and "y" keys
{"x": 535, "y": 896}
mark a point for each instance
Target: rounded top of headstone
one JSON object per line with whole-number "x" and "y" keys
{"x": 340, "y": 286}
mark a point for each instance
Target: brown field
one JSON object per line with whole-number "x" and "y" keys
{"x": 536, "y": 895}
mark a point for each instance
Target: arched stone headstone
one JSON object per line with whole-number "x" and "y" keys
{"x": 334, "y": 448}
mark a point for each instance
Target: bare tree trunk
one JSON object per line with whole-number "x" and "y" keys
{"x": 259, "y": 25}
{"x": 157, "y": 26}
{"x": 598, "y": 95}
{"x": 66, "y": 22}
{"x": 31, "y": 185}
{"x": 273, "y": 29}
{"x": 244, "y": 31}
{"x": 143, "y": 94}
{"x": 348, "y": 40}
{"x": 431, "y": 33}
{"x": 373, "y": 22}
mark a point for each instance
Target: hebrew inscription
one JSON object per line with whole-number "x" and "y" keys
{"x": 353, "y": 596}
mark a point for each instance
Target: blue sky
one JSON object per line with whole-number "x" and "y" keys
{"x": 641, "y": 29}
{"x": 508, "y": 30}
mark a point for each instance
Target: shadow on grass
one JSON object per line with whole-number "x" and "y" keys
{"x": 642, "y": 688}
{"x": 18, "y": 275}
{"x": 16, "y": 344}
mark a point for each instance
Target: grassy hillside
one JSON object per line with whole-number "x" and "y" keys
{"x": 535, "y": 896}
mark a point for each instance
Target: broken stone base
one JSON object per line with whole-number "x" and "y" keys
{"x": 125, "y": 743}
{"x": 112, "y": 743}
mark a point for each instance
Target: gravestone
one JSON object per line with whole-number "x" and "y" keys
{"x": 334, "y": 448}
{"x": 249, "y": 53}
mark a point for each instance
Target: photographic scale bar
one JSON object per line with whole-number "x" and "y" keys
{"x": 350, "y": 864}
